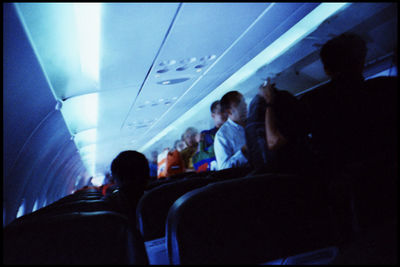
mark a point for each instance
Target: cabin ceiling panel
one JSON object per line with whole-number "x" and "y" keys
{"x": 113, "y": 107}
{"x": 387, "y": 32}
{"x": 130, "y": 39}
{"x": 51, "y": 30}
{"x": 198, "y": 37}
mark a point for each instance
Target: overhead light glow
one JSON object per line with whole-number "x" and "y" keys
{"x": 85, "y": 138}
{"x": 88, "y": 28}
{"x": 80, "y": 112}
{"x": 21, "y": 209}
{"x": 300, "y": 30}
{"x": 88, "y": 152}
{"x": 35, "y": 205}
{"x": 98, "y": 180}
{"x": 388, "y": 72}
{"x": 88, "y": 155}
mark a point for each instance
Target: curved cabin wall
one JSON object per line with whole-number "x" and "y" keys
{"x": 41, "y": 163}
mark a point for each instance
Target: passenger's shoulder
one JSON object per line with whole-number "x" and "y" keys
{"x": 221, "y": 131}
{"x": 210, "y": 131}
{"x": 380, "y": 83}
{"x": 257, "y": 99}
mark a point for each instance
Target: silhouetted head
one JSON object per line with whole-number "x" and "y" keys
{"x": 234, "y": 104}
{"x": 217, "y": 114}
{"x": 131, "y": 170}
{"x": 344, "y": 54}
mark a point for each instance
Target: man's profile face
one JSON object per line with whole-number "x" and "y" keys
{"x": 238, "y": 112}
{"x": 218, "y": 116}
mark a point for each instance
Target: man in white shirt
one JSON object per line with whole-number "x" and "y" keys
{"x": 230, "y": 141}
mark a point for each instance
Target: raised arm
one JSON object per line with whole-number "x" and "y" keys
{"x": 275, "y": 139}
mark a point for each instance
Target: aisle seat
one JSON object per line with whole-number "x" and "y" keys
{"x": 251, "y": 220}
{"x": 75, "y": 238}
{"x": 152, "y": 211}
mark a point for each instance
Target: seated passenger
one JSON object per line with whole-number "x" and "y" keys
{"x": 230, "y": 141}
{"x": 131, "y": 172}
{"x": 204, "y": 159}
{"x": 190, "y": 138}
{"x": 275, "y": 132}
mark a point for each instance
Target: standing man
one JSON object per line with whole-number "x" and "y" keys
{"x": 230, "y": 141}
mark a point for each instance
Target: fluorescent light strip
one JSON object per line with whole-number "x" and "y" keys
{"x": 35, "y": 205}
{"x": 21, "y": 209}
{"x": 303, "y": 28}
{"x": 88, "y": 27}
{"x": 392, "y": 71}
{"x": 88, "y": 156}
{"x": 87, "y": 109}
{"x": 300, "y": 30}
{"x": 85, "y": 138}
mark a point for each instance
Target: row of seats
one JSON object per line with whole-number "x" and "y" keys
{"x": 151, "y": 218}
{"x": 250, "y": 220}
{"x": 267, "y": 217}
{"x": 77, "y": 229}
{"x": 152, "y": 209}
{"x": 81, "y": 201}
{"x": 225, "y": 174}
{"x": 263, "y": 219}
{"x": 233, "y": 218}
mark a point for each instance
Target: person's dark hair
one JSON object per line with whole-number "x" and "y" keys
{"x": 232, "y": 97}
{"x": 344, "y": 53}
{"x": 214, "y": 106}
{"x": 130, "y": 168}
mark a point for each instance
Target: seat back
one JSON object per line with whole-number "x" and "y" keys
{"x": 67, "y": 207}
{"x": 152, "y": 209}
{"x": 74, "y": 238}
{"x": 79, "y": 196}
{"x": 231, "y": 173}
{"x": 249, "y": 220}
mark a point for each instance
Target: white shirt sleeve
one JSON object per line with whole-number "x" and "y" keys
{"x": 224, "y": 154}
